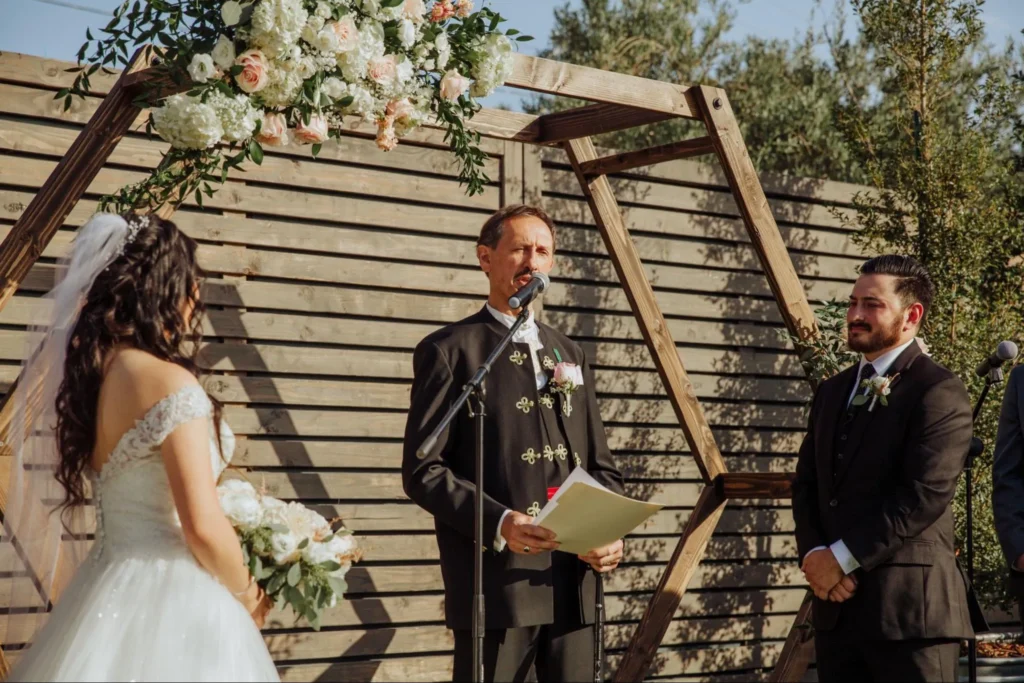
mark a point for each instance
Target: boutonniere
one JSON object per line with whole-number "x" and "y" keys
{"x": 878, "y": 389}
{"x": 567, "y": 379}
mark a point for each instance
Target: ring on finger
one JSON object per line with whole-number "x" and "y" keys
{"x": 526, "y": 548}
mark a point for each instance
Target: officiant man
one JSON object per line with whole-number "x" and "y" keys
{"x": 875, "y": 480}
{"x": 539, "y": 601}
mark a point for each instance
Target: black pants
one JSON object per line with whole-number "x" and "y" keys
{"x": 550, "y": 653}
{"x": 840, "y": 660}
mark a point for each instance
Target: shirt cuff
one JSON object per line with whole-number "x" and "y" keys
{"x": 499, "y": 540}
{"x": 844, "y": 557}
{"x": 814, "y": 550}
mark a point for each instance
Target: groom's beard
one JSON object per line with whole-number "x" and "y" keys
{"x": 876, "y": 340}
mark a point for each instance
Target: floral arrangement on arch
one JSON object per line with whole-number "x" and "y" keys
{"x": 266, "y": 72}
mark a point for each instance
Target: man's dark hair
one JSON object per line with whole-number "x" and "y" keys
{"x": 490, "y": 234}
{"x": 913, "y": 283}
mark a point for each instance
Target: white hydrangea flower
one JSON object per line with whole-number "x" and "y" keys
{"x": 201, "y": 69}
{"x": 353, "y": 64}
{"x": 444, "y": 50}
{"x": 277, "y": 25}
{"x": 323, "y": 10}
{"x": 283, "y": 85}
{"x": 404, "y": 72}
{"x": 493, "y": 66}
{"x": 371, "y": 39}
{"x": 362, "y": 101}
{"x": 187, "y": 123}
{"x": 334, "y": 88}
{"x": 224, "y": 53}
{"x": 237, "y": 115}
{"x": 318, "y": 553}
{"x": 313, "y": 26}
{"x": 407, "y": 33}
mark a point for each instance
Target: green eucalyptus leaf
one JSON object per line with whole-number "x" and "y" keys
{"x": 276, "y": 582}
{"x": 255, "y": 152}
{"x": 295, "y": 574}
{"x": 339, "y": 586}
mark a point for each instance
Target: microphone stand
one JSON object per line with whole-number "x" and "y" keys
{"x": 977, "y": 447}
{"x": 474, "y": 389}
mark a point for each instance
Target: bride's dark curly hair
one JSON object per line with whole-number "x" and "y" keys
{"x": 139, "y": 301}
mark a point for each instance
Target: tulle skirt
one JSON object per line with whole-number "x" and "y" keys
{"x": 146, "y": 617}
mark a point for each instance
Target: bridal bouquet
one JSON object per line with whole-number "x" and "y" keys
{"x": 266, "y": 72}
{"x": 291, "y": 550}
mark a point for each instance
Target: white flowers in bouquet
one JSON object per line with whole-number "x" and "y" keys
{"x": 291, "y": 550}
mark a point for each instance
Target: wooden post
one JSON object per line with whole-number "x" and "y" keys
{"x": 648, "y": 314}
{"x": 799, "y": 648}
{"x": 757, "y": 215}
{"x": 665, "y": 601}
{"x": 789, "y": 295}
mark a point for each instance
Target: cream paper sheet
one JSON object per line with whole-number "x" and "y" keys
{"x": 585, "y": 515}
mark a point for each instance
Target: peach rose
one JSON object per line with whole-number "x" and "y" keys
{"x": 274, "y": 130}
{"x": 253, "y": 77}
{"x": 453, "y": 85}
{"x": 463, "y": 8}
{"x": 413, "y": 10}
{"x": 400, "y": 110}
{"x": 346, "y": 32}
{"x": 387, "y": 139}
{"x": 441, "y": 11}
{"x": 312, "y": 133}
{"x": 383, "y": 70}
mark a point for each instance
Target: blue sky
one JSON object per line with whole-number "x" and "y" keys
{"x": 56, "y": 28}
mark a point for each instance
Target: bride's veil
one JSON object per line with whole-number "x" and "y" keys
{"x": 42, "y": 545}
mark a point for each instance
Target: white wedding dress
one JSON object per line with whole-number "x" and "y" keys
{"x": 140, "y": 608}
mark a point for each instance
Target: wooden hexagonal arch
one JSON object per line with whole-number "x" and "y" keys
{"x": 619, "y": 102}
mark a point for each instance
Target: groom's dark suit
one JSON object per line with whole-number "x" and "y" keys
{"x": 530, "y": 445}
{"x": 882, "y": 481}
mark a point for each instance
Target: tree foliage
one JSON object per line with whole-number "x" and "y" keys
{"x": 945, "y": 189}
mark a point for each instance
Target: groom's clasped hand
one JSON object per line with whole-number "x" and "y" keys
{"x": 826, "y": 578}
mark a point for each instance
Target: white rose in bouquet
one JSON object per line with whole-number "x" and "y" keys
{"x": 240, "y": 503}
{"x": 285, "y": 547}
{"x": 202, "y": 69}
{"x": 224, "y": 53}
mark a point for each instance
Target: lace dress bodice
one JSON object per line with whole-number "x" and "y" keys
{"x": 135, "y": 511}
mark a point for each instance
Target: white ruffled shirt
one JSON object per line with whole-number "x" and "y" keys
{"x": 528, "y": 333}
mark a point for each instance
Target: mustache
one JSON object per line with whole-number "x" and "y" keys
{"x": 860, "y": 326}
{"x": 526, "y": 271}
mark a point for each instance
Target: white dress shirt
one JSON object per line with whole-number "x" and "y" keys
{"x": 881, "y": 364}
{"x": 528, "y": 333}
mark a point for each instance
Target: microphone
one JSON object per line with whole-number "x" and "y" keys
{"x": 530, "y": 291}
{"x": 1006, "y": 350}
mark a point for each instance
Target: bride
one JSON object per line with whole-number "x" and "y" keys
{"x": 108, "y": 403}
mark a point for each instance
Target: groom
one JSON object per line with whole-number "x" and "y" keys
{"x": 539, "y": 602}
{"x": 875, "y": 479}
